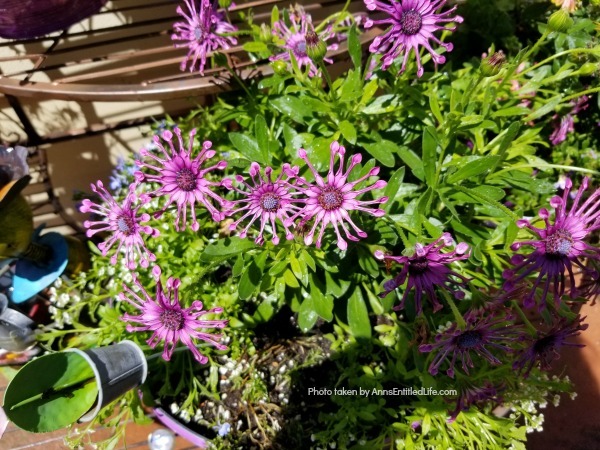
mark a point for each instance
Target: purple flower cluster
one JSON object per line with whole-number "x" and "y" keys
{"x": 558, "y": 247}
{"x": 293, "y": 39}
{"x": 425, "y": 269}
{"x": 325, "y": 201}
{"x": 168, "y": 321}
{"x": 566, "y": 124}
{"x": 484, "y": 330}
{"x": 412, "y": 24}
{"x": 203, "y": 32}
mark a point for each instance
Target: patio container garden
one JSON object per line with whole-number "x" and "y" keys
{"x": 349, "y": 262}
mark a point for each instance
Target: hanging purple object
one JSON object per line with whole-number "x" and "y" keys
{"x": 24, "y": 19}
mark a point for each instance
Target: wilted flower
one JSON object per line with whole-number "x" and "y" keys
{"x": 124, "y": 224}
{"x": 425, "y": 270}
{"x": 560, "y": 245}
{"x": 267, "y": 200}
{"x": 566, "y": 124}
{"x": 169, "y": 321}
{"x": 331, "y": 198}
{"x": 544, "y": 349}
{"x": 293, "y": 38}
{"x": 483, "y": 329}
{"x": 412, "y": 24}
{"x": 182, "y": 178}
{"x": 202, "y": 33}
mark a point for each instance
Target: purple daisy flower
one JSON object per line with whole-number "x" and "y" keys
{"x": 330, "y": 199}
{"x": 202, "y": 33}
{"x": 544, "y": 349}
{"x": 412, "y": 24}
{"x": 469, "y": 394}
{"x": 560, "y": 245}
{"x": 483, "y": 329}
{"x": 182, "y": 178}
{"x": 293, "y": 38}
{"x": 426, "y": 269}
{"x": 125, "y": 224}
{"x": 267, "y": 200}
{"x": 168, "y": 321}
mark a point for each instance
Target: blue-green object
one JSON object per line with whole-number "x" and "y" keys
{"x": 31, "y": 277}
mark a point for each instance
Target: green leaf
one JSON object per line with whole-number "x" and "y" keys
{"x": 393, "y": 187}
{"x": 358, "y": 315}
{"x": 511, "y": 111}
{"x": 435, "y": 107}
{"x": 547, "y": 108}
{"x": 430, "y": 144}
{"x": 249, "y": 281}
{"x": 51, "y": 392}
{"x": 236, "y": 271}
{"x": 256, "y": 47}
{"x": 348, "y": 131}
{"x": 261, "y": 130}
{"x": 224, "y": 249}
{"x": 354, "y": 48}
{"x": 351, "y": 87}
{"x": 323, "y": 304}
{"x": 473, "y": 168}
{"x": 307, "y": 316}
{"x": 412, "y": 160}
{"x": 484, "y": 199}
{"x": 382, "y": 151}
{"x": 382, "y": 104}
{"x": 292, "y": 107}
{"x": 274, "y": 15}
{"x": 369, "y": 91}
{"x": 247, "y": 146}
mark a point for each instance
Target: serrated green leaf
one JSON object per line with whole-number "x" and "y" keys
{"x": 247, "y": 146}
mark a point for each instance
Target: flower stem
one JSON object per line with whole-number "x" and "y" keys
{"x": 460, "y": 321}
{"x": 523, "y": 317}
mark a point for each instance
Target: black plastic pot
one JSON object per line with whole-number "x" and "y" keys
{"x": 118, "y": 368}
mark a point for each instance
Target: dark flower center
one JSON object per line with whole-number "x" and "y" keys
{"x": 418, "y": 265}
{"x": 269, "y": 202}
{"x": 186, "y": 180}
{"x": 411, "y": 22}
{"x": 172, "y": 319}
{"x": 544, "y": 345}
{"x": 330, "y": 198}
{"x": 126, "y": 225}
{"x": 559, "y": 243}
{"x": 468, "y": 339}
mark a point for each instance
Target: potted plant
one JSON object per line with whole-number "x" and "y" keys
{"x": 350, "y": 260}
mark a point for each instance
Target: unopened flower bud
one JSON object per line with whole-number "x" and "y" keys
{"x": 265, "y": 34}
{"x": 589, "y": 68}
{"x": 225, "y": 3}
{"x": 492, "y": 65}
{"x": 280, "y": 67}
{"x": 560, "y": 21}
{"x": 315, "y": 47}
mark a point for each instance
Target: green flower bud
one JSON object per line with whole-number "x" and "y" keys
{"x": 225, "y": 3}
{"x": 560, "y": 21}
{"x": 492, "y": 65}
{"x": 265, "y": 34}
{"x": 315, "y": 47}
{"x": 589, "y": 68}
{"x": 280, "y": 67}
